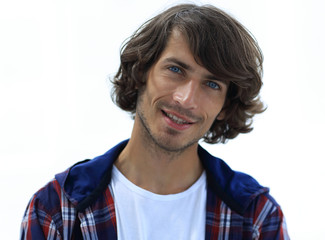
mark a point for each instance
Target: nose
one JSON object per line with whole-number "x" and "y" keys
{"x": 186, "y": 95}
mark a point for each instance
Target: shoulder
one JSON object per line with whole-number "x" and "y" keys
{"x": 265, "y": 218}
{"x": 48, "y": 198}
{"x": 235, "y": 188}
{"x": 263, "y": 206}
{"x": 43, "y": 215}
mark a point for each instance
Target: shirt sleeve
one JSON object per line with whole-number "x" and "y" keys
{"x": 37, "y": 223}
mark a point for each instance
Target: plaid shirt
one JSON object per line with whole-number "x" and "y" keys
{"x": 78, "y": 204}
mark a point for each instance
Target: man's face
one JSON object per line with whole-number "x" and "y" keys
{"x": 181, "y": 99}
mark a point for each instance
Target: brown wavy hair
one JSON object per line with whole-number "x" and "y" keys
{"x": 218, "y": 42}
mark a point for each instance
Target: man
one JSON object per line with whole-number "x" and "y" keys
{"x": 191, "y": 72}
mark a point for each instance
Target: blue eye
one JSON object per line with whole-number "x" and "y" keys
{"x": 213, "y": 85}
{"x": 175, "y": 69}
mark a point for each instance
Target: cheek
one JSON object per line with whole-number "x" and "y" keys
{"x": 161, "y": 82}
{"x": 159, "y": 88}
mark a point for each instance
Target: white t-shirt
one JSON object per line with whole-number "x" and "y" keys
{"x": 143, "y": 215}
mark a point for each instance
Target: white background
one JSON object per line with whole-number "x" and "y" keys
{"x": 55, "y": 107}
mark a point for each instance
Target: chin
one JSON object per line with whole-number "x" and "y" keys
{"x": 174, "y": 144}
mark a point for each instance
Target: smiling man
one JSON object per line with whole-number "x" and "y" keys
{"x": 190, "y": 73}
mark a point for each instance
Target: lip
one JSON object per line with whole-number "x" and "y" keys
{"x": 175, "y": 125}
{"x": 186, "y": 119}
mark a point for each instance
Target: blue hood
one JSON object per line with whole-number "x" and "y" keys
{"x": 86, "y": 180}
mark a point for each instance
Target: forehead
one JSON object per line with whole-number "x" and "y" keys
{"x": 177, "y": 46}
{"x": 178, "y": 51}
{"x": 177, "y": 40}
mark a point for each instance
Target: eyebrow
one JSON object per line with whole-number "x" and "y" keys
{"x": 189, "y": 68}
{"x": 178, "y": 62}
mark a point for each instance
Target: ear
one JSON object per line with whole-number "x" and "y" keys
{"x": 221, "y": 115}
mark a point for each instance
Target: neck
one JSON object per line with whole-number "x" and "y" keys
{"x": 156, "y": 169}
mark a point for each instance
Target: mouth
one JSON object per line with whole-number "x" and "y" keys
{"x": 177, "y": 119}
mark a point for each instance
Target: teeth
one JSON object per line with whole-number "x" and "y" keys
{"x": 176, "y": 119}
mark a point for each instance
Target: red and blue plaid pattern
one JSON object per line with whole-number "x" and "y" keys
{"x": 50, "y": 215}
{"x": 78, "y": 204}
